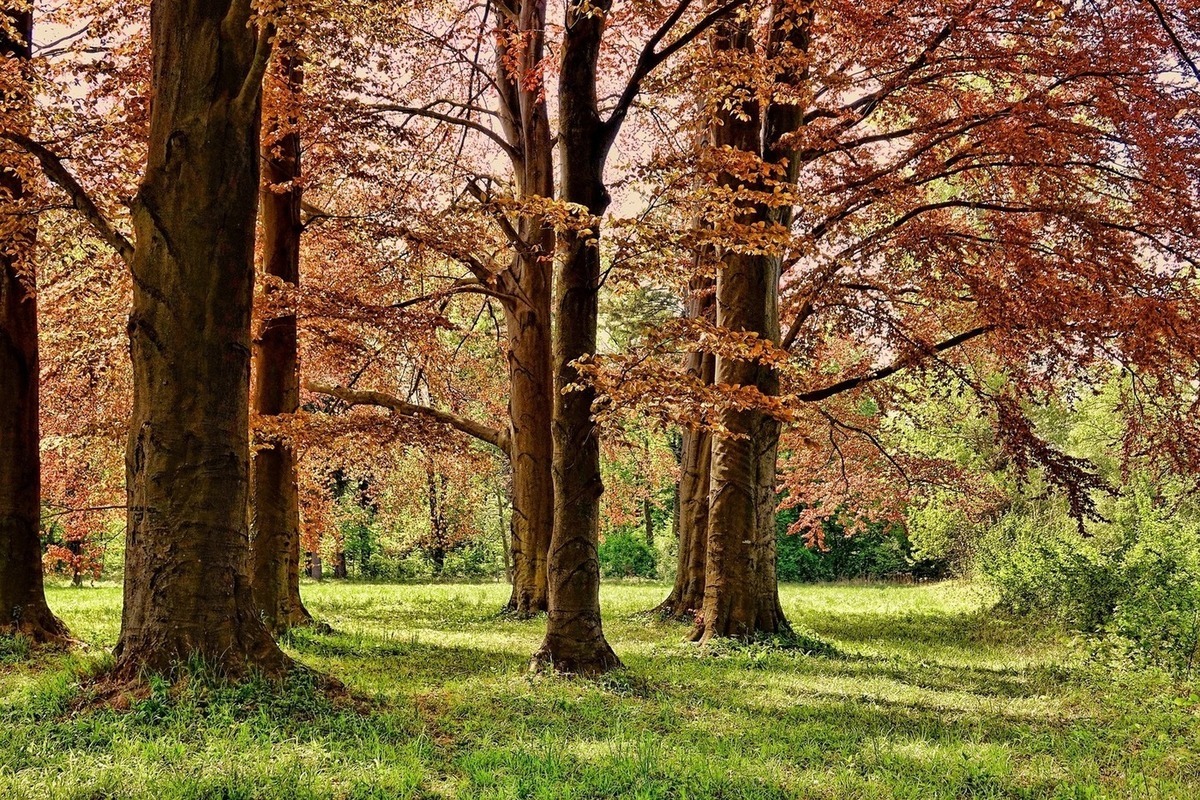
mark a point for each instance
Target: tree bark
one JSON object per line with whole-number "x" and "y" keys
{"x": 187, "y": 580}
{"x": 741, "y": 598}
{"x": 23, "y": 608}
{"x": 275, "y": 548}
{"x": 527, "y": 319}
{"x": 687, "y": 594}
{"x": 575, "y": 640}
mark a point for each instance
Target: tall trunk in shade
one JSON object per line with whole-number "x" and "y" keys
{"x": 741, "y": 597}
{"x": 23, "y": 608}
{"x": 187, "y": 579}
{"x": 575, "y": 640}
{"x": 275, "y": 547}
{"x": 687, "y": 594}
{"x": 529, "y": 284}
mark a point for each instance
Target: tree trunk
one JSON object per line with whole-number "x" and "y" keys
{"x": 187, "y": 580}
{"x": 575, "y": 640}
{"x": 527, "y": 318}
{"x": 275, "y": 548}
{"x": 505, "y": 533}
{"x": 741, "y": 596}
{"x": 741, "y": 593}
{"x": 649, "y": 522}
{"x": 531, "y": 408}
{"x": 23, "y": 608}
{"x": 687, "y": 595}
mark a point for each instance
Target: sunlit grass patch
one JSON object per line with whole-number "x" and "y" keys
{"x": 888, "y": 691}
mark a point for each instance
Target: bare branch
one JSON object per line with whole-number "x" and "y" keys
{"x": 57, "y": 172}
{"x": 428, "y": 113}
{"x": 497, "y": 438}
{"x": 891, "y": 369}
{"x": 651, "y": 57}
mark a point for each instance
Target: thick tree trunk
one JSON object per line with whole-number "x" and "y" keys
{"x": 531, "y": 408}
{"x": 275, "y": 548}
{"x": 741, "y": 593}
{"x": 741, "y": 597}
{"x": 527, "y": 317}
{"x": 187, "y": 580}
{"x": 575, "y": 640}
{"x": 23, "y": 608}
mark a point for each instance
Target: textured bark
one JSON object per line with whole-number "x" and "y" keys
{"x": 687, "y": 594}
{"x": 23, "y": 608}
{"x": 275, "y": 548}
{"x": 527, "y": 317}
{"x": 741, "y": 597}
{"x": 575, "y": 640}
{"x": 187, "y": 582}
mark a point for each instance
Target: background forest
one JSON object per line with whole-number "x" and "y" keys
{"x": 353, "y": 353}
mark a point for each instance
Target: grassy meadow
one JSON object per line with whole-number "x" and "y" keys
{"x": 924, "y": 694}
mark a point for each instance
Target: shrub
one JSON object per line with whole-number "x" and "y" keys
{"x": 1133, "y": 585}
{"x": 625, "y": 554}
{"x": 880, "y": 552}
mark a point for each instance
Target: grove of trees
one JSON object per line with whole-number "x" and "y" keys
{"x": 304, "y": 258}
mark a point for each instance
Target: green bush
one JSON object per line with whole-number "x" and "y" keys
{"x": 1132, "y": 584}
{"x": 880, "y": 552}
{"x": 625, "y": 554}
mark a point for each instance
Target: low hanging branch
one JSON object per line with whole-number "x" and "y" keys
{"x": 57, "y": 172}
{"x": 484, "y": 433}
{"x": 825, "y": 393}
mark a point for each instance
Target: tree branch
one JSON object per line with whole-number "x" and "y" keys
{"x": 57, "y": 172}
{"x": 429, "y": 113}
{"x": 651, "y": 57}
{"x": 497, "y": 438}
{"x": 885, "y": 372}
{"x": 1175, "y": 40}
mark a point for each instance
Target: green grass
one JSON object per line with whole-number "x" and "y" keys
{"x": 928, "y": 696}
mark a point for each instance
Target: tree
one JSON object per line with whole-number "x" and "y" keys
{"x": 741, "y": 596}
{"x": 275, "y": 547}
{"x": 989, "y": 188}
{"x": 187, "y": 589}
{"x": 23, "y": 608}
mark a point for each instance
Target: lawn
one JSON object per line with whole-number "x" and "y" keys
{"x": 928, "y": 695}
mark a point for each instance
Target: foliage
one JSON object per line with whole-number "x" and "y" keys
{"x": 1133, "y": 584}
{"x": 625, "y": 553}
{"x": 878, "y": 551}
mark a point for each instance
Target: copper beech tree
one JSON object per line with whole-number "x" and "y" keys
{"x": 861, "y": 204}
{"x": 23, "y": 608}
{"x": 187, "y": 580}
{"x": 996, "y": 197}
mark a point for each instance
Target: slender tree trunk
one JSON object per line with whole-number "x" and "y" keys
{"x": 648, "y": 520}
{"x": 527, "y": 318}
{"x": 505, "y": 533}
{"x": 23, "y": 608}
{"x": 687, "y": 595}
{"x": 275, "y": 548}
{"x": 575, "y": 640}
{"x": 187, "y": 578}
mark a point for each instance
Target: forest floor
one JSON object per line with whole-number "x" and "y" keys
{"x": 927, "y": 696}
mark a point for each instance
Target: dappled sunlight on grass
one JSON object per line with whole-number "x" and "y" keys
{"x": 926, "y": 695}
